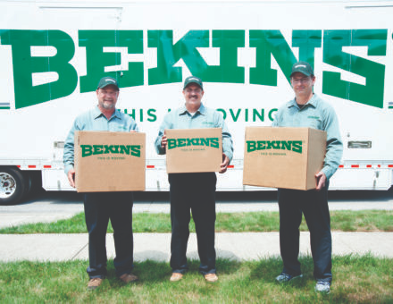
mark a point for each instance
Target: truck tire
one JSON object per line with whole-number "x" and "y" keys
{"x": 33, "y": 183}
{"x": 13, "y": 186}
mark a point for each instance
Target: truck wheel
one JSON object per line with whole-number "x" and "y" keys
{"x": 12, "y": 186}
{"x": 35, "y": 183}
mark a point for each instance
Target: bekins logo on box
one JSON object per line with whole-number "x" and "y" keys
{"x": 133, "y": 150}
{"x": 290, "y": 145}
{"x": 184, "y": 142}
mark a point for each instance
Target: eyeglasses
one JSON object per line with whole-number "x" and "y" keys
{"x": 110, "y": 93}
{"x": 196, "y": 91}
{"x": 301, "y": 80}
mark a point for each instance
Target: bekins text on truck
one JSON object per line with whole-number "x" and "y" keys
{"x": 267, "y": 43}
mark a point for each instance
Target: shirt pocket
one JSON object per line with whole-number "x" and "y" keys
{"x": 206, "y": 122}
{"x": 314, "y": 122}
{"x": 120, "y": 128}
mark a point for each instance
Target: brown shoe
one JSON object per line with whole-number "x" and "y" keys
{"x": 94, "y": 283}
{"x": 128, "y": 278}
{"x": 176, "y": 276}
{"x": 211, "y": 277}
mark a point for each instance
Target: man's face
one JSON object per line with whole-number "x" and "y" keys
{"x": 107, "y": 97}
{"x": 193, "y": 94}
{"x": 302, "y": 85}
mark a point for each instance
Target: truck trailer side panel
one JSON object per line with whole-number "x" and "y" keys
{"x": 53, "y": 53}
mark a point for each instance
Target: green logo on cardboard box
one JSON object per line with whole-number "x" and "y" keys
{"x": 291, "y": 145}
{"x": 133, "y": 150}
{"x": 184, "y": 142}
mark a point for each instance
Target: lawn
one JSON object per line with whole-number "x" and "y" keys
{"x": 357, "y": 279}
{"x": 366, "y": 220}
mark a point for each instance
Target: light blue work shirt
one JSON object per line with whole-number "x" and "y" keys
{"x": 316, "y": 114}
{"x": 95, "y": 120}
{"x": 203, "y": 118}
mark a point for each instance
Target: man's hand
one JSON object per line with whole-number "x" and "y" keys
{"x": 224, "y": 164}
{"x": 321, "y": 180}
{"x": 164, "y": 141}
{"x": 71, "y": 177}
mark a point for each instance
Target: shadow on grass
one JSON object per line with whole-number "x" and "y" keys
{"x": 266, "y": 270}
{"x": 153, "y": 272}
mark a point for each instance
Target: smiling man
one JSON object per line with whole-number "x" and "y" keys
{"x": 195, "y": 191}
{"x": 101, "y": 207}
{"x": 308, "y": 110}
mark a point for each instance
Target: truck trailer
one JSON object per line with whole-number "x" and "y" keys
{"x": 52, "y": 54}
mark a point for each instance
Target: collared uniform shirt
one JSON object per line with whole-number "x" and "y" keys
{"x": 316, "y": 114}
{"x": 203, "y": 118}
{"x": 94, "y": 120}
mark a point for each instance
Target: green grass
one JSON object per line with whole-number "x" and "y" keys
{"x": 367, "y": 220}
{"x": 357, "y": 279}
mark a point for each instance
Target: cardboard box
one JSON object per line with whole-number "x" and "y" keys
{"x": 281, "y": 157}
{"x": 109, "y": 161}
{"x": 194, "y": 150}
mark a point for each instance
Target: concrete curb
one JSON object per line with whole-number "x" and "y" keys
{"x": 156, "y": 246}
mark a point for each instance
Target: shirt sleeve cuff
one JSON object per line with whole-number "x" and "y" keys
{"x": 328, "y": 172}
{"x": 67, "y": 168}
{"x": 229, "y": 155}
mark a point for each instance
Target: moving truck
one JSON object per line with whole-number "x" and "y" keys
{"x": 52, "y": 54}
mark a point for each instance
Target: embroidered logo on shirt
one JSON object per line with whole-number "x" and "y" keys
{"x": 313, "y": 117}
{"x": 122, "y": 128}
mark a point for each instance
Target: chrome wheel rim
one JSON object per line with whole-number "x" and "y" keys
{"x": 7, "y": 185}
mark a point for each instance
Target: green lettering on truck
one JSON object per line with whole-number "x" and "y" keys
{"x": 372, "y": 92}
{"x": 268, "y": 43}
{"x": 169, "y": 54}
{"x": 97, "y": 59}
{"x": 25, "y": 65}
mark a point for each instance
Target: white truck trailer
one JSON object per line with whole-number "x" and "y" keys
{"x": 52, "y": 54}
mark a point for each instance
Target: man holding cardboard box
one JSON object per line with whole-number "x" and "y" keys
{"x": 100, "y": 207}
{"x": 195, "y": 191}
{"x": 308, "y": 110}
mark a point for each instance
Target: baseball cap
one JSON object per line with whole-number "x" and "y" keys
{"x": 193, "y": 79}
{"x": 302, "y": 67}
{"x": 107, "y": 80}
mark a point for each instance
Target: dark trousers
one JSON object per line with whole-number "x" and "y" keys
{"x": 195, "y": 192}
{"x": 99, "y": 209}
{"x": 314, "y": 205}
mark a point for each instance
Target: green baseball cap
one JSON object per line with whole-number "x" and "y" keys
{"x": 107, "y": 80}
{"x": 302, "y": 67}
{"x": 193, "y": 79}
